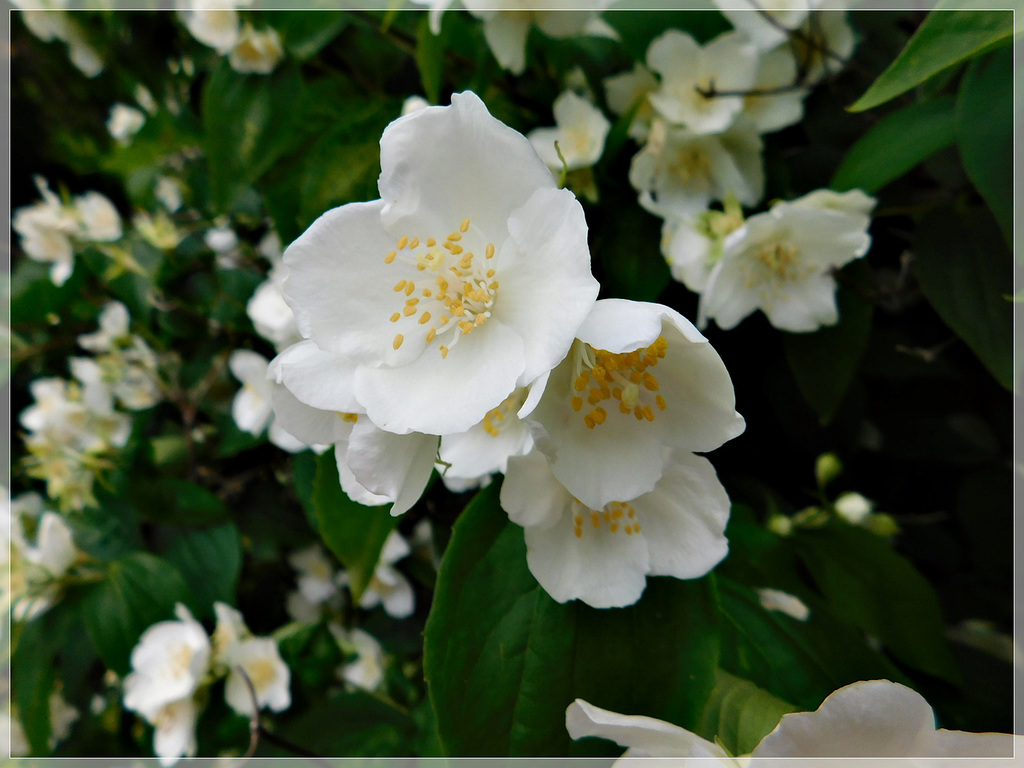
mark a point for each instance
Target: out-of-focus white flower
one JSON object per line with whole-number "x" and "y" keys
{"x": 145, "y": 99}
{"x": 679, "y": 173}
{"x": 168, "y": 193}
{"x": 507, "y": 23}
{"x": 689, "y": 70}
{"x": 251, "y": 409}
{"x": 113, "y": 329}
{"x": 777, "y": 600}
{"x": 157, "y": 230}
{"x": 174, "y": 734}
{"x": 271, "y": 316}
{"x": 853, "y": 508}
{"x": 367, "y": 670}
{"x": 45, "y": 228}
{"x": 98, "y": 219}
{"x": 580, "y": 132}
{"x": 768, "y": 111}
{"x": 124, "y": 122}
{"x": 414, "y": 104}
{"x": 769, "y": 27}
{"x": 318, "y": 586}
{"x": 639, "y": 379}
{"x": 631, "y": 88}
{"x": 781, "y": 262}
{"x": 47, "y": 20}
{"x": 388, "y": 587}
{"x": 37, "y": 565}
{"x": 497, "y": 299}
{"x": 221, "y": 239}
{"x": 258, "y": 658}
{"x": 874, "y": 718}
{"x": 256, "y": 51}
{"x": 168, "y": 664}
{"x": 213, "y": 23}
{"x": 692, "y": 245}
{"x": 604, "y": 555}
{"x": 62, "y": 717}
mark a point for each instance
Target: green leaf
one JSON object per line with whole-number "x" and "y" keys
{"x": 176, "y": 501}
{"x": 305, "y": 34}
{"x": 430, "y": 59}
{"x": 945, "y": 38}
{"x": 248, "y": 124}
{"x": 966, "y": 271}
{"x": 824, "y": 362}
{"x": 139, "y": 591}
{"x": 34, "y": 296}
{"x": 354, "y": 533}
{"x": 32, "y": 673}
{"x": 503, "y": 660}
{"x": 354, "y": 724}
{"x": 739, "y": 714}
{"x": 631, "y": 263}
{"x": 896, "y": 144}
{"x": 984, "y": 127}
{"x": 304, "y": 473}
{"x": 210, "y": 561}
{"x": 799, "y": 661}
{"x": 869, "y": 584}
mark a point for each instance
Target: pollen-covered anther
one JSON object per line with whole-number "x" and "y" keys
{"x": 615, "y": 516}
{"x": 623, "y": 377}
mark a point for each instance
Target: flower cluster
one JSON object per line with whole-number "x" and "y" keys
{"x": 476, "y": 347}
{"x": 175, "y": 662}
{"x": 49, "y": 20}
{"x": 51, "y": 229}
{"x": 217, "y": 25}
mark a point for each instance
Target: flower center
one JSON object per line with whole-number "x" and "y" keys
{"x": 691, "y": 165}
{"x": 179, "y": 661}
{"x": 497, "y": 418}
{"x": 455, "y": 299}
{"x": 260, "y": 672}
{"x": 625, "y": 378}
{"x": 616, "y": 516}
{"x": 780, "y": 261}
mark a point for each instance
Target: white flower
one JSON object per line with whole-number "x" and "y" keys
{"x": 259, "y": 660}
{"x": 414, "y": 104}
{"x": 631, "y": 88}
{"x": 98, "y": 219}
{"x": 473, "y": 456}
{"x": 640, "y": 378}
{"x": 875, "y": 718}
{"x": 367, "y": 670}
{"x": 770, "y": 27}
{"x": 47, "y": 20}
{"x": 777, "y": 600}
{"x": 45, "y": 228}
{"x": 213, "y": 23}
{"x": 603, "y": 555}
{"x": 467, "y": 279}
{"x": 580, "y": 133}
{"x": 507, "y": 23}
{"x": 54, "y": 551}
{"x": 145, "y": 99}
{"x": 62, "y": 717}
{"x": 124, "y": 122}
{"x": 113, "y": 329}
{"x": 221, "y": 239}
{"x": 693, "y": 244}
{"x": 174, "y": 734}
{"x": 256, "y": 51}
{"x": 318, "y": 586}
{"x": 168, "y": 193}
{"x": 830, "y": 41}
{"x": 388, "y": 587}
{"x": 251, "y": 409}
{"x": 688, "y": 71}
{"x": 769, "y": 112}
{"x": 781, "y": 262}
{"x": 168, "y": 664}
{"x": 271, "y": 316}
{"x": 853, "y": 508}
{"x": 680, "y": 173}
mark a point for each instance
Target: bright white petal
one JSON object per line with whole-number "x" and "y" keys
{"x": 530, "y": 493}
{"x": 395, "y": 466}
{"x": 320, "y": 379}
{"x": 644, "y": 736}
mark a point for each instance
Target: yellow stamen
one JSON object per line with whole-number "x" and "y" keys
{"x": 390, "y": 257}
{"x": 402, "y": 242}
{"x": 399, "y": 338}
{"x": 424, "y": 318}
{"x": 464, "y": 226}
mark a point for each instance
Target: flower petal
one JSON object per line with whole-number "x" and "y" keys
{"x": 457, "y": 162}
{"x": 320, "y": 379}
{"x": 395, "y": 466}
{"x": 439, "y": 395}
{"x": 684, "y": 518}
{"x": 530, "y": 493}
